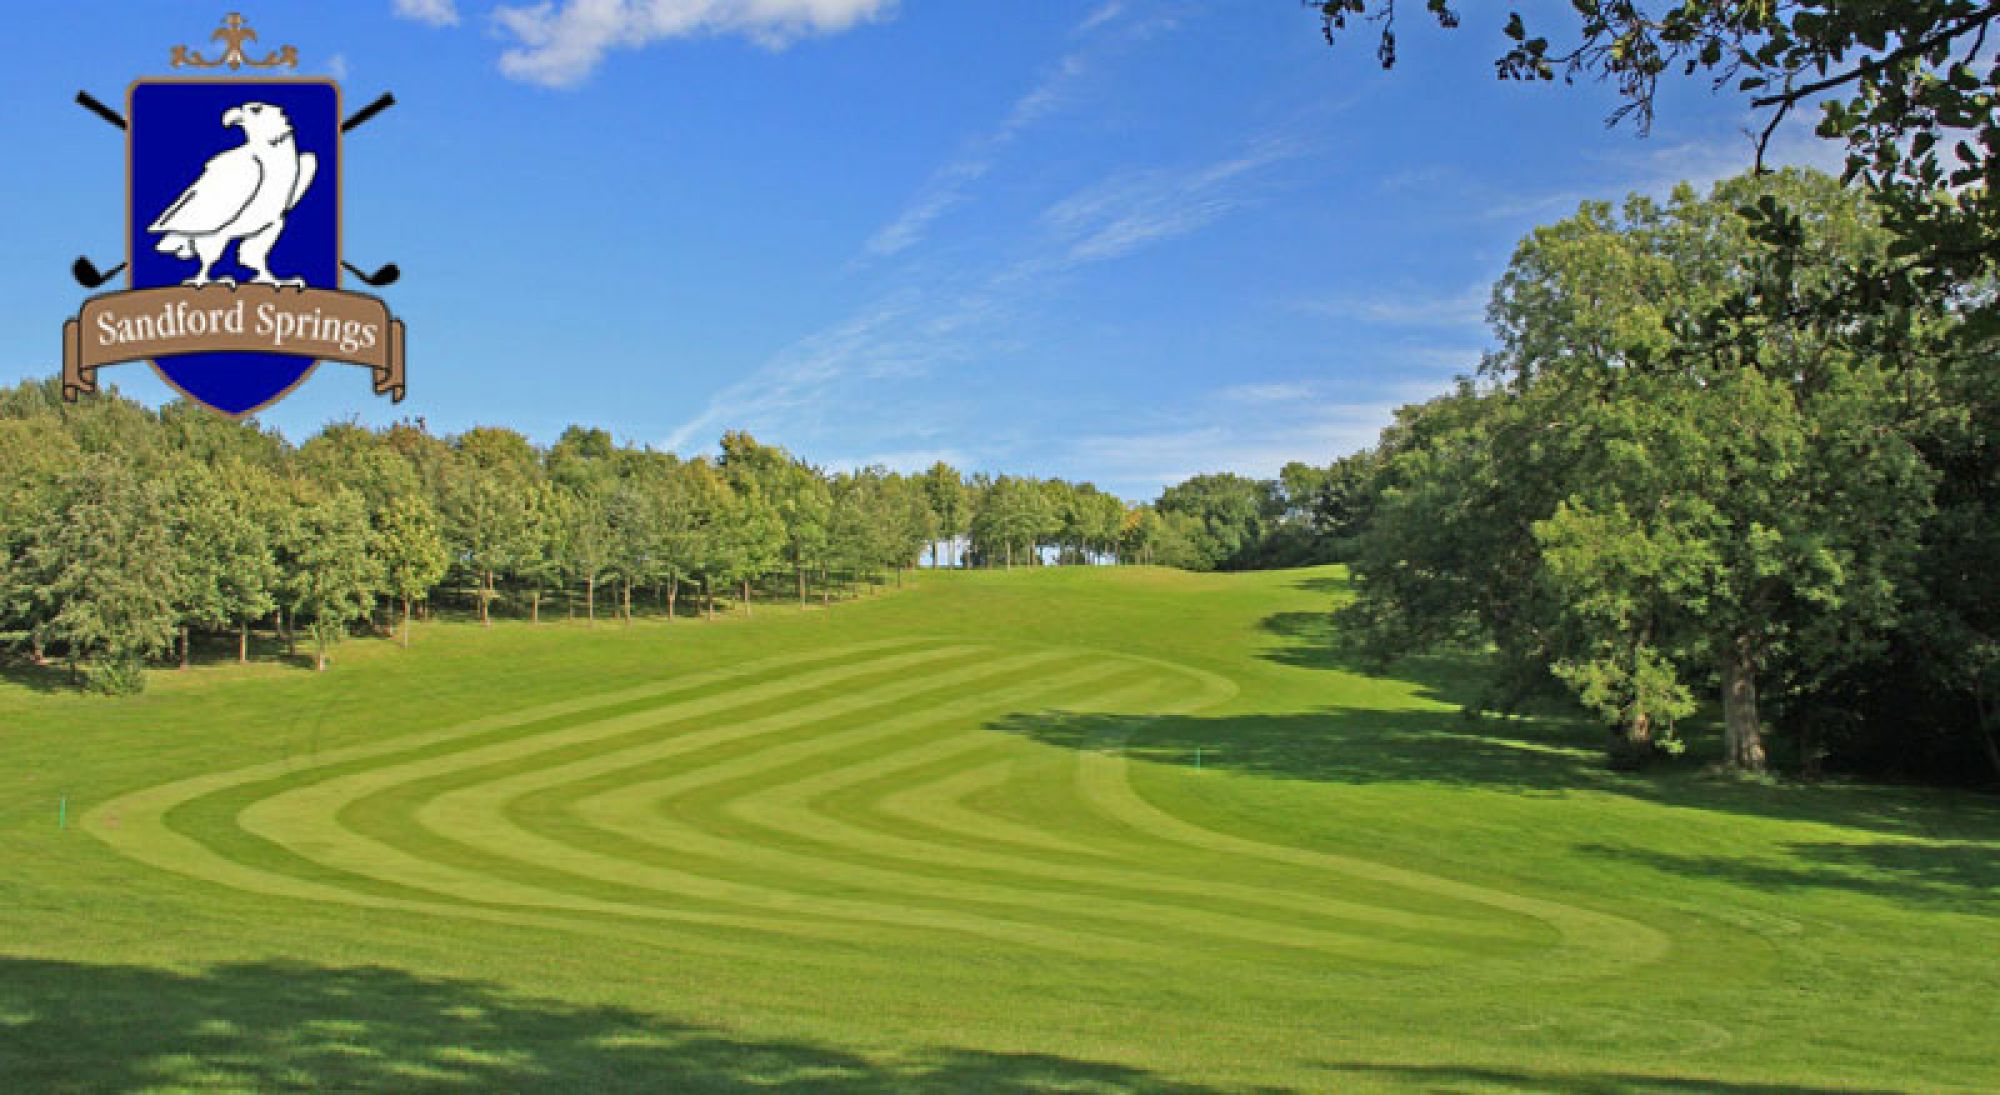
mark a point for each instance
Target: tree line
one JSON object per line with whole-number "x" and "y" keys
{"x": 1681, "y": 487}
{"x": 1745, "y": 445}
{"x": 127, "y": 536}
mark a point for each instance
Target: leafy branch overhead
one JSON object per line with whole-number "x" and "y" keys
{"x": 1908, "y": 85}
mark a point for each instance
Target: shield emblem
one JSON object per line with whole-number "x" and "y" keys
{"x": 234, "y": 188}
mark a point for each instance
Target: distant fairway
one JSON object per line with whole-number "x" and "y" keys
{"x": 953, "y": 838}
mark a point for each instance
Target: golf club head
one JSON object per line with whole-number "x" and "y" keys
{"x": 386, "y": 275}
{"x": 87, "y": 274}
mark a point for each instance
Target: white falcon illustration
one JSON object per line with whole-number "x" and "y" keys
{"x": 243, "y": 195}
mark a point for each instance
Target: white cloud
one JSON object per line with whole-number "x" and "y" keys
{"x": 1102, "y": 15}
{"x": 1246, "y": 440}
{"x": 906, "y": 461}
{"x": 558, "y": 44}
{"x": 1266, "y": 393}
{"x": 947, "y": 187}
{"x": 336, "y": 66}
{"x": 438, "y": 13}
{"x": 822, "y": 383}
{"x": 1409, "y": 309}
{"x": 945, "y": 190}
{"x": 825, "y": 393}
{"x": 1656, "y": 168}
{"x": 1125, "y": 213}
{"x": 799, "y": 376}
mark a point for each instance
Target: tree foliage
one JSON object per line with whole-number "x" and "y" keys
{"x": 1648, "y": 516}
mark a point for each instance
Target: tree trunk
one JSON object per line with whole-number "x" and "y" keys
{"x": 1983, "y": 717}
{"x": 242, "y": 642}
{"x": 406, "y": 623}
{"x": 746, "y": 597}
{"x": 673, "y": 593}
{"x": 825, "y": 588}
{"x": 1010, "y": 555}
{"x": 707, "y": 600}
{"x": 1742, "y": 736}
{"x": 535, "y": 607}
{"x": 291, "y": 636}
{"x": 625, "y": 590}
{"x": 590, "y": 596}
{"x": 184, "y": 646}
{"x": 1631, "y": 746}
{"x": 486, "y": 602}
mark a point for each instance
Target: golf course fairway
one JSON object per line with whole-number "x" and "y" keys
{"x": 1048, "y": 829}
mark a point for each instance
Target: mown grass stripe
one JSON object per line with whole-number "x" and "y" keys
{"x": 481, "y": 815}
{"x": 137, "y": 824}
{"x": 452, "y": 820}
{"x": 1594, "y": 943}
{"x": 914, "y": 808}
{"x": 305, "y": 821}
{"x": 302, "y": 819}
{"x": 939, "y": 805}
{"x": 788, "y": 809}
{"x": 634, "y": 812}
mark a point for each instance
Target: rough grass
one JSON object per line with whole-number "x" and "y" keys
{"x": 952, "y": 839}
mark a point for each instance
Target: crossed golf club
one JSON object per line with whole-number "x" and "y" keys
{"x": 90, "y": 277}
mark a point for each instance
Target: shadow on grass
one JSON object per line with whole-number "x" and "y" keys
{"x": 1554, "y": 750}
{"x": 1333, "y": 745}
{"x": 1451, "y": 1077}
{"x": 290, "y": 1026}
{"x": 207, "y": 650}
{"x": 1952, "y": 876}
{"x": 49, "y": 677}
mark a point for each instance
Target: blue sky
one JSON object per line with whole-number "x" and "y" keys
{"x": 1122, "y": 241}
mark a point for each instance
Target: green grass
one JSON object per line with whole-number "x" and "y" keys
{"x": 952, "y": 839}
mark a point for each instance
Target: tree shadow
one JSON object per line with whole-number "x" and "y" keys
{"x": 1335, "y": 745}
{"x": 1324, "y": 583}
{"x": 48, "y": 677}
{"x": 1530, "y": 756}
{"x": 1961, "y": 876}
{"x": 206, "y": 650}
{"x": 1547, "y": 745}
{"x": 1432, "y": 1077}
{"x": 291, "y": 1025}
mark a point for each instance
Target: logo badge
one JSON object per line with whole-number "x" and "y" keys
{"x": 233, "y": 239}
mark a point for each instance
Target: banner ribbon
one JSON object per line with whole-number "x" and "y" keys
{"x": 148, "y": 324}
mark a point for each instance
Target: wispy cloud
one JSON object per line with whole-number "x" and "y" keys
{"x": 906, "y": 461}
{"x": 1267, "y": 393}
{"x": 1656, "y": 169}
{"x": 1407, "y": 309}
{"x": 798, "y": 376}
{"x": 336, "y": 66}
{"x": 1247, "y": 440}
{"x": 924, "y": 326}
{"x": 1124, "y": 213}
{"x": 1103, "y": 14}
{"x": 438, "y": 13}
{"x": 559, "y": 44}
{"x": 948, "y": 186}
{"x": 827, "y": 390}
